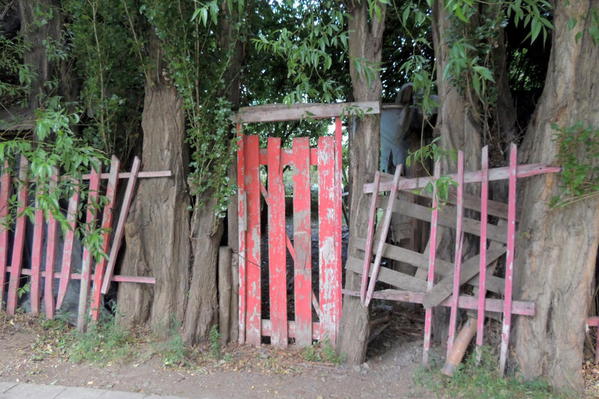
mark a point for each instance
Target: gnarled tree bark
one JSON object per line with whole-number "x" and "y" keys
{"x": 556, "y": 253}
{"x": 365, "y": 43}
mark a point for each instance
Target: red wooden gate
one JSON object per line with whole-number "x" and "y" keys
{"x": 300, "y": 159}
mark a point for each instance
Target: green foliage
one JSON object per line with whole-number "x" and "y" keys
{"x": 578, "y": 155}
{"x": 481, "y": 380}
{"x": 15, "y": 75}
{"x": 55, "y": 150}
{"x": 322, "y": 352}
{"x": 106, "y": 49}
{"x": 215, "y": 346}
{"x": 173, "y": 350}
{"x": 310, "y": 48}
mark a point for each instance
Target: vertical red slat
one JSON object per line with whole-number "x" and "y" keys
{"x": 459, "y": 237}
{"x": 4, "y": 194}
{"x": 50, "y": 257}
{"x": 120, "y": 226}
{"x": 107, "y": 230}
{"x": 329, "y": 284}
{"x": 383, "y": 235}
{"x": 482, "y": 282}
{"x": 36, "y": 258}
{"x": 242, "y": 228}
{"x": 67, "y": 250}
{"x": 253, "y": 314}
{"x": 369, "y": 237}
{"x": 19, "y": 239}
{"x": 302, "y": 242}
{"x": 337, "y": 232}
{"x": 90, "y": 220}
{"x": 276, "y": 245}
{"x": 509, "y": 262}
{"x": 432, "y": 258}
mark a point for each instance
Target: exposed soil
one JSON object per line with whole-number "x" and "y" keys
{"x": 28, "y": 354}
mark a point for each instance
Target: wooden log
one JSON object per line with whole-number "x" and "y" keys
{"x": 224, "y": 293}
{"x": 234, "y": 323}
{"x": 19, "y": 239}
{"x": 284, "y": 112}
{"x": 459, "y": 347}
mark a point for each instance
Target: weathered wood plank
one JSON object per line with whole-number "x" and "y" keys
{"x": 388, "y": 276}
{"x": 107, "y": 217}
{"x": 277, "y": 283}
{"x": 523, "y": 308}
{"x": 302, "y": 241}
{"x": 469, "y": 177}
{"x": 369, "y": 238}
{"x": 284, "y": 112}
{"x": 19, "y": 239}
{"x": 4, "y": 194}
{"x": 509, "y": 262}
{"x": 482, "y": 268}
{"x": 67, "y": 250}
{"x": 36, "y": 256}
{"x": 50, "y": 257}
{"x": 253, "y": 288}
{"x": 86, "y": 264}
{"x": 469, "y": 269}
{"x": 120, "y": 226}
{"x": 329, "y": 283}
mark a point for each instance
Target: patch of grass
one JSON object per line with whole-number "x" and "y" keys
{"x": 105, "y": 341}
{"x": 322, "y": 352}
{"x": 174, "y": 352}
{"x": 215, "y": 346}
{"x": 481, "y": 380}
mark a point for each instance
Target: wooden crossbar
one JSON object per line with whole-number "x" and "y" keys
{"x": 284, "y": 112}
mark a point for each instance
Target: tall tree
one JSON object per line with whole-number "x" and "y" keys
{"x": 365, "y": 46}
{"x": 557, "y": 250}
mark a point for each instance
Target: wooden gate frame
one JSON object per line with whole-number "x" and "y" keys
{"x": 328, "y": 305}
{"x": 423, "y": 287}
{"x": 97, "y": 278}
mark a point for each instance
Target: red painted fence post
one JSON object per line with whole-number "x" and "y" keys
{"x": 302, "y": 242}
{"x": 242, "y": 221}
{"x": 50, "y": 257}
{"x": 67, "y": 251}
{"x": 4, "y": 194}
{"x": 482, "y": 284}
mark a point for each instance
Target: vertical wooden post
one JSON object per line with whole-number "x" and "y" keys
{"x": 252, "y": 287}
{"x": 19, "y": 239}
{"x": 459, "y": 238}
{"x": 224, "y": 293}
{"x": 482, "y": 280}
{"x": 4, "y": 194}
{"x": 302, "y": 241}
{"x": 384, "y": 230}
{"x": 67, "y": 251}
{"x": 120, "y": 226}
{"x": 509, "y": 262}
{"x": 36, "y": 256}
{"x": 107, "y": 232}
{"x": 242, "y": 231}
{"x": 432, "y": 257}
{"x": 329, "y": 284}
{"x": 50, "y": 257}
{"x": 369, "y": 237}
{"x": 90, "y": 220}
{"x": 276, "y": 245}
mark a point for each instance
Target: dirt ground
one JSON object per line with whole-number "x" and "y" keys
{"x": 27, "y": 355}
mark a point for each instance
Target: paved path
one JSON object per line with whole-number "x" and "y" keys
{"x": 17, "y": 390}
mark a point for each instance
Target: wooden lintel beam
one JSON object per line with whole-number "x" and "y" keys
{"x": 292, "y": 112}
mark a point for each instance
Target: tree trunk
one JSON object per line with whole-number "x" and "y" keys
{"x": 157, "y": 230}
{"x": 556, "y": 255}
{"x": 365, "y": 42}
